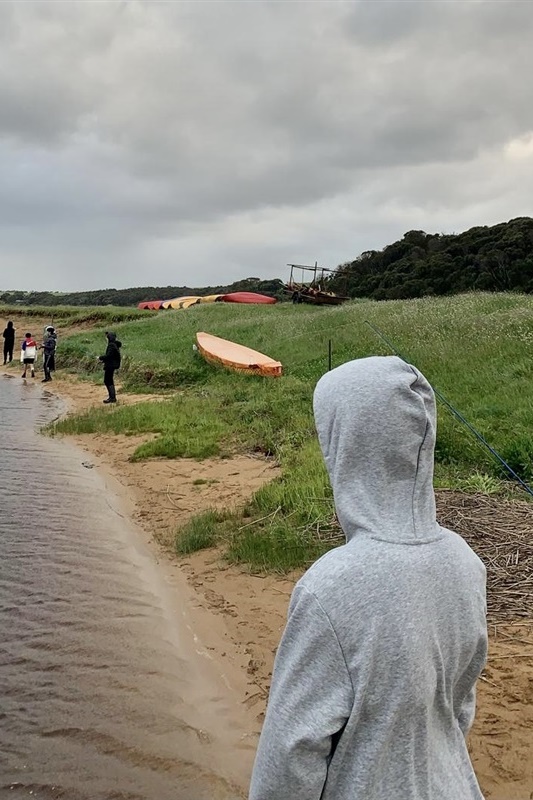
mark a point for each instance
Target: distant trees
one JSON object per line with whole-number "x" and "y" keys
{"x": 486, "y": 258}
{"x": 489, "y": 258}
{"x": 131, "y": 297}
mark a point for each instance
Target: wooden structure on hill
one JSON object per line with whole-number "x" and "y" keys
{"x": 315, "y": 290}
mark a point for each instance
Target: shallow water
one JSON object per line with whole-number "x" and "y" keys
{"x": 102, "y": 692}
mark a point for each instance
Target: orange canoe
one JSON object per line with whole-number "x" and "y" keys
{"x": 236, "y": 356}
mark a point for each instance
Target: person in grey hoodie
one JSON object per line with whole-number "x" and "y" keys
{"x": 373, "y": 689}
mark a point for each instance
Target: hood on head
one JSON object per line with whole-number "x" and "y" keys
{"x": 376, "y": 424}
{"x": 112, "y": 337}
{"x": 10, "y": 324}
{"x": 50, "y": 328}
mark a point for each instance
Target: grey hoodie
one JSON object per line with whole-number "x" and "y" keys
{"x": 373, "y": 691}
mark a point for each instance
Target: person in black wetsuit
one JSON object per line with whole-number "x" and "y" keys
{"x": 49, "y": 352}
{"x": 111, "y": 361}
{"x": 9, "y": 342}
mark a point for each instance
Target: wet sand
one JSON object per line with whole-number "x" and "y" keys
{"x": 108, "y": 688}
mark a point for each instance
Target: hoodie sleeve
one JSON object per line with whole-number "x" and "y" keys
{"x": 467, "y": 705}
{"x": 467, "y": 712}
{"x": 311, "y": 698}
{"x": 105, "y": 357}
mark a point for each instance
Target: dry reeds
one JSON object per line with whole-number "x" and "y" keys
{"x": 501, "y": 533}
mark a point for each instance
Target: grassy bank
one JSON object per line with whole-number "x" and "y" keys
{"x": 72, "y": 315}
{"x": 475, "y": 349}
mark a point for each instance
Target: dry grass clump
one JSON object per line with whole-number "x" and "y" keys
{"x": 501, "y": 533}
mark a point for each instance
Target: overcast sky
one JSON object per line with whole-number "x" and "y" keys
{"x": 155, "y": 143}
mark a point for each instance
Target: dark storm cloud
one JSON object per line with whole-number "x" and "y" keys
{"x": 148, "y": 141}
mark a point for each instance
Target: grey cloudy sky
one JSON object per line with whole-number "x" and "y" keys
{"x": 198, "y": 142}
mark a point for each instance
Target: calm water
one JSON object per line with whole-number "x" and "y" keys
{"x": 102, "y": 694}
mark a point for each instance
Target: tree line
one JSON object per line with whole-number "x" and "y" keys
{"x": 496, "y": 258}
{"x": 131, "y": 297}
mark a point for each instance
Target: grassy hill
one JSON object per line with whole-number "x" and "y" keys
{"x": 490, "y": 258}
{"x": 495, "y": 258}
{"x": 475, "y": 349}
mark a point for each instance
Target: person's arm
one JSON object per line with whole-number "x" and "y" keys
{"x": 466, "y": 710}
{"x": 311, "y": 698}
{"x": 105, "y": 357}
{"x": 465, "y": 697}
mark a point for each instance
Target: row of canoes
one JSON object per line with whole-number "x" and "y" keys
{"x": 193, "y": 300}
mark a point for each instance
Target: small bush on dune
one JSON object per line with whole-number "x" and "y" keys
{"x": 199, "y": 533}
{"x": 482, "y": 483}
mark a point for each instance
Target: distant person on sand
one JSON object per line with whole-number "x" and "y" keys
{"x": 29, "y": 354}
{"x": 50, "y": 333}
{"x": 111, "y": 361}
{"x": 9, "y": 342}
{"x": 49, "y": 352}
{"x": 373, "y": 690}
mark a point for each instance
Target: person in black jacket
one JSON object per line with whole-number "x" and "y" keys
{"x": 9, "y": 342}
{"x": 49, "y": 352}
{"x": 111, "y": 361}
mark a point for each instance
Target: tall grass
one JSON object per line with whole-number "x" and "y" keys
{"x": 476, "y": 349}
{"x": 74, "y": 314}
{"x": 200, "y": 533}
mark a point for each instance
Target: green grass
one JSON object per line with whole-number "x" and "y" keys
{"x": 182, "y": 432}
{"x": 280, "y": 548}
{"x": 200, "y": 533}
{"x": 74, "y": 315}
{"x": 476, "y": 349}
{"x": 480, "y": 482}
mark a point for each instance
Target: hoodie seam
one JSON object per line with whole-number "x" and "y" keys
{"x": 330, "y": 624}
{"x": 416, "y": 477}
{"x": 422, "y": 443}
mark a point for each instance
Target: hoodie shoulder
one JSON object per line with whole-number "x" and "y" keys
{"x": 364, "y": 563}
{"x": 329, "y": 574}
{"x": 464, "y": 552}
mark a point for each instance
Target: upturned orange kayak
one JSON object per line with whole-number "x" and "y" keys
{"x": 236, "y": 356}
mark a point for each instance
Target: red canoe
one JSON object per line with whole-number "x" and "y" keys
{"x": 246, "y": 297}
